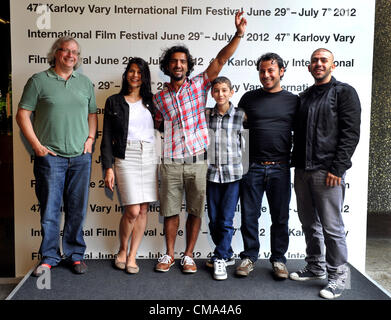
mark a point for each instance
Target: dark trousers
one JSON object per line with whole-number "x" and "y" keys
{"x": 275, "y": 181}
{"x": 222, "y": 199}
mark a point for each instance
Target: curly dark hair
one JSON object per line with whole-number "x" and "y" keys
{"x": 166, "y": 56}
{"x": 271, "y": 56}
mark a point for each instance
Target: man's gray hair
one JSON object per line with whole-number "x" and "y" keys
{"x": 57, "y": 45}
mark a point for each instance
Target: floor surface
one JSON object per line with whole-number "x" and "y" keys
{"x": 378, "y": 256}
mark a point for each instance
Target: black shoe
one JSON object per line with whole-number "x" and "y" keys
{"x": 333, "y": 290}
{"x": 40, "y": 269}
{"x": 305, "y": 274}
{"x": 79, "y": 267}
{"x": 336, "y": 284}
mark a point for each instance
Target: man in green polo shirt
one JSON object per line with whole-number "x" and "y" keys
{"x": 61, "y": 135}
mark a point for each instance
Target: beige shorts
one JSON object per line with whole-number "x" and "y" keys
{"x": 178, "y": 177}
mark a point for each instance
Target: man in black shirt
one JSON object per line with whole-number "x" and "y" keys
{"x": 326, "y": 135}
{"x": 270, "y": 114}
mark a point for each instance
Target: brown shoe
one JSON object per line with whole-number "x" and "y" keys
{"x": 280, "y": 270}
{"x": 188, "y": 265}
{"x": 245, "y": 267}
{"x": 165, "y": 263}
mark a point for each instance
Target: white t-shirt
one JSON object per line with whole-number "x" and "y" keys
{"x": 140, "y": 122}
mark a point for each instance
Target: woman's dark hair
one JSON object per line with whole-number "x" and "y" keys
{"x": 145, "y": 89}
{"x": 166, "y": 56}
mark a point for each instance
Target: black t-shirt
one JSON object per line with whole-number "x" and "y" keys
{"x": 270, "y": 118}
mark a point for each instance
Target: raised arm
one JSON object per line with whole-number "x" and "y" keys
{"x": 222, "y": 57}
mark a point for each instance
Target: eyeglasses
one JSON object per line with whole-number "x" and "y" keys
{"x": 67, "y": 51}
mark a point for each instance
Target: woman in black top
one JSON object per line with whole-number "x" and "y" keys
{"x": 128, "y": 137}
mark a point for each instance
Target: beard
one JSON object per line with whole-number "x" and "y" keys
{"x": 322, "y": 76}
{"x": 268, "y": 85}
{"x": 174, "y": 77}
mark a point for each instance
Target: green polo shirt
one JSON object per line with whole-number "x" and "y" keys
{"x": 61, "y": 109}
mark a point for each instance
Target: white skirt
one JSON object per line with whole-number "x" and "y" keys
{"x": 136, "y": 175}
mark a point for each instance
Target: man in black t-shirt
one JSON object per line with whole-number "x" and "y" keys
{"x": 270, "y": 114}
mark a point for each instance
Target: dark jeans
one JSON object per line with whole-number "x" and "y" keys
{"x": 222, "y": 199}
{"x": 275, "y": 181}
{"x": 62, "y": 180}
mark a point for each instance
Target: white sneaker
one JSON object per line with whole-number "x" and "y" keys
{"x": 220, "y": 272}
{"x": 228, "y": 262}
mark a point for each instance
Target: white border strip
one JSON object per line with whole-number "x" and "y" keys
{"x": 377, "y": 284}
{"x": 10, "y": 296}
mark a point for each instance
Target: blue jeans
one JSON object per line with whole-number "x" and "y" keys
{"x": 64, "y": 181}
{"x": 275, "y": 181}
{"x": 222, "y": 199}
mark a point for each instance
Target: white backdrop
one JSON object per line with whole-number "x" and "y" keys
{"x": 112, "y": 31}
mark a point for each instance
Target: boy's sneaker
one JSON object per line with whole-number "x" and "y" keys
{"x": 164, "y": 263}
{"x": 245, "y": 267}
{"x": 305, "y": 274}
{"x": 228, "y": 262}
{"x": 333, "y": 289}
{"x": 220, "y": 272}
{"x": 280, "y": 270}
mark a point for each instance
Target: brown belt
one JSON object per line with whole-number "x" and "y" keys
{"x": 267, "y": 163}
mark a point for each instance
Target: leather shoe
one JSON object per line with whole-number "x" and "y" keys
{"x": 280, "y": 270}
{"x": 132, "y": 270}
{"x": 118, "y": 264}
{"x": 188, "y": 265}
{"x": 164, "y": 263}
{"x": 40, "y": 269}
{"x": 79, "y": 267}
